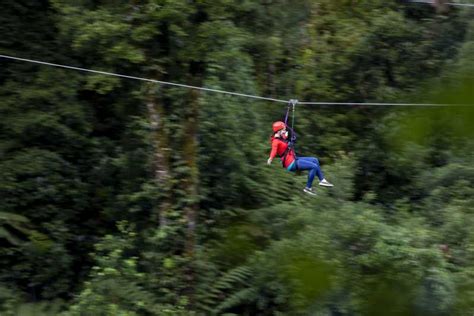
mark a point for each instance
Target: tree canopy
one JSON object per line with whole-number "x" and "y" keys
{"x": 119, "y": 197}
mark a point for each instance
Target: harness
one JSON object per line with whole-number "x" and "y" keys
{"x": 291, "y": 143}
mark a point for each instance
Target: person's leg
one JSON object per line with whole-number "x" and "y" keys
{"x": 312, "y": 164}
{"x": 311, "y": 175}
{"x": 319, "y": 172}
{"x": 306, "y": 163}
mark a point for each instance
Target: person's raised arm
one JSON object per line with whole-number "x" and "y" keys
{"x": 273, "y": 152}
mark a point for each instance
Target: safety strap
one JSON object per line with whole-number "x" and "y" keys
{"x": 291, "y": 105}
{"x": 291, "y": 143}
{"x": 287, "y": 113}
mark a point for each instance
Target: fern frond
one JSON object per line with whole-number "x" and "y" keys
{"x": 228, "y": 286}
{"x": 12, "y": 218}
{"x": 235, "y": 299}
{"x": 4, "y": 233}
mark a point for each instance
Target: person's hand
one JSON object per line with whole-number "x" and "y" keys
{"x": 269, "y": 161}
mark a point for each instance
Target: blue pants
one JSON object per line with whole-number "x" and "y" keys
{"x": 311, "y": 164}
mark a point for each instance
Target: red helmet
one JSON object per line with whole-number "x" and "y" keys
{"x": 279, "y": 125}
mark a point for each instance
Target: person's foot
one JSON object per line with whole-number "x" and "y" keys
{"x": 325, "y": 183}
{"x": 309, "y": 191}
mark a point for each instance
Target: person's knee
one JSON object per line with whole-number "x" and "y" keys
{"x": 316, "y": 161}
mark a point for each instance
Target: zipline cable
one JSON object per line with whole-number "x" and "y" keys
{"x": 217, "y": 90}
{"x": 380, "y": 104}
{"x": 144, "y": 79}
{"x": 470, "y": 5}
{"x": 456, "y": 4}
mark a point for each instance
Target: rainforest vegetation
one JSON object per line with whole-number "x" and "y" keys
{"x": 122, "y": 197}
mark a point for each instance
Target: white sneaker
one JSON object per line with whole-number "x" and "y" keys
{"x": 325, "y": 183}
{"x": 309, "y": 191}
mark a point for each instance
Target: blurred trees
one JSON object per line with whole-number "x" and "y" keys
{"x": 118, "y": 198}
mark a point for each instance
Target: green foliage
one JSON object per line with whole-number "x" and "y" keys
{"x": 118, "y": 198}
{"x": 227, "y": 291}
{"x": 11, "y": 223}
{"x": 116, "y": 286}
{"x": 9, "y": 300}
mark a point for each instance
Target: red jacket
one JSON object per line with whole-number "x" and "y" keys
{"x": 279, "y": 147}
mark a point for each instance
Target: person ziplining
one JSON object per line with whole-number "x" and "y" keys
{"x": 283, "y": 146}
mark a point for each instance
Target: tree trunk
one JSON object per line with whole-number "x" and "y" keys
{"x": 190, "y": 151}
{"x": 161, "y": 154}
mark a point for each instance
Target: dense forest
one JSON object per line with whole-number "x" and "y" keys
{"x": 119, "y": 197}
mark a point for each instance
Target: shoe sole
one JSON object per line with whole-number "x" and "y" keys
{"x": 325, "y": 185}
{"x": 310, "y": 193}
